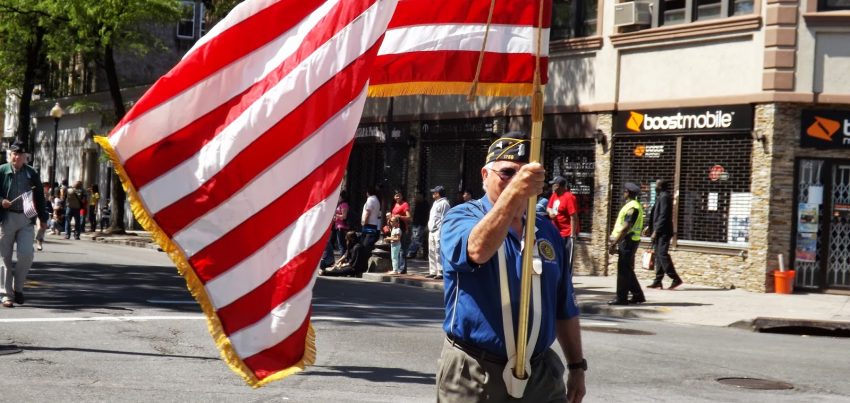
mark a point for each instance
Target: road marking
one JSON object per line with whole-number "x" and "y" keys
{"x": 393, "y": 307}
{"x": 373, "y": 320}
{"x": 102, "y": 319}
{"x": 172, "y": 301}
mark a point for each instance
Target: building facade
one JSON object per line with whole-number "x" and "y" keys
{"x": 743, "y": 104}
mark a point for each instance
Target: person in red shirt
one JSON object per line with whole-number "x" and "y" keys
{"x": 563, "y": 210}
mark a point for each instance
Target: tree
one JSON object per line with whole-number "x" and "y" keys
{"x": 23, "y": 27}
{"x": 100, "y": 27}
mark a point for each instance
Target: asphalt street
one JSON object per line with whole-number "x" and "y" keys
{"x": 115, "y": 323}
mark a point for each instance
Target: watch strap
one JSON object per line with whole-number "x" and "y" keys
{"x": 582, "y": 365}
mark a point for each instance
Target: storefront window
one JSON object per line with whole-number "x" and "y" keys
{"x": 713, "y": 187}
{"x": 575, "y": 161}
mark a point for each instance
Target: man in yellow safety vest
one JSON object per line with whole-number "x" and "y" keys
{"x": 625, "y": 239}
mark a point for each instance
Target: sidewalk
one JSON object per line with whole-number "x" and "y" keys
{"x": 688, "y": 304}
{"x": 140, "y": 239}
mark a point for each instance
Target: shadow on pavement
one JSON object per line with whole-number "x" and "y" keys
{"x": 91, "y": 350}
{"x": 62, "y": 286}
{"x": 375, "y": 374}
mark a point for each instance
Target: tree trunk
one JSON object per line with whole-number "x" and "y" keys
{"x": 116, "y": 224}
{"x": 33, "y": 56}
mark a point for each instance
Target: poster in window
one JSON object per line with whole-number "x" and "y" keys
{"x": 807, "y": 246}
{"x": 738, "y": 230}
{"x": 807, "y": 217}
{"x": 712, "y": 201}
{"x": 816, "y": 194}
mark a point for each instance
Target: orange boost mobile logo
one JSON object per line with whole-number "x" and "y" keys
{"x": 640, "y": 150}
{"x": 823, "y": 128}
{"x": 635, "y": 120}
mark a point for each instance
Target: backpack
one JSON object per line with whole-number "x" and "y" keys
{"x": 73, "y": 199}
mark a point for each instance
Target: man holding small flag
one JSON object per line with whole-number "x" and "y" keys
{"x": 22, "y": 200}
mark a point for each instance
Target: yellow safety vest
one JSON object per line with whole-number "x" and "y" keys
{"x": 621, "y": 220}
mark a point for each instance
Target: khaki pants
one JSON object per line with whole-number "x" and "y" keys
{"x": 16, "y": 229}
{"x": 435, "y": 265}
{"x": 463, "y": 378}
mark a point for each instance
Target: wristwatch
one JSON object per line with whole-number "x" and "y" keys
{"x": 582, "y": 365}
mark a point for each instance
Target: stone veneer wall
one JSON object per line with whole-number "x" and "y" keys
{"x": 591, "y": 255}
{"x": 772, "y": 211}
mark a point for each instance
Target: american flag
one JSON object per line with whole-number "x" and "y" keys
{"x": 234, "y": 161}
{"x": 29, "y": 204}
{"x": 433, "y": 47}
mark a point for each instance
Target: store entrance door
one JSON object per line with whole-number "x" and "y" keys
{"x": 822, "y": 252}
{"x": 838, "y": 261}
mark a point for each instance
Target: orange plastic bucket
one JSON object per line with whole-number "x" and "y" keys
{"x": 783, "y": 281}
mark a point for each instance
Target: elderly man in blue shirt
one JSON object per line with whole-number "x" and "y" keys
{"x": 481, "y": 248}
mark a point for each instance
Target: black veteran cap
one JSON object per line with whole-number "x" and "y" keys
{"x": 18, "y": 147}
{"x": 512, "y": 146}
{"x": 631, "y": 187}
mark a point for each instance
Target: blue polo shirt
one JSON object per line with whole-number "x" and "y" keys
{"x": 472, "y": 292}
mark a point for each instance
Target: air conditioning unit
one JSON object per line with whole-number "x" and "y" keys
{"x": 632, "y": 13}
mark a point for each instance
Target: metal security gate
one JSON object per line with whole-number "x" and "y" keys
{"x": 810, "y": 186}
{"x": 365, "y": 168}
{"x": 822, "y": 224}
{"x": 642, "y": 161}
{"x": 455, "y": 165}
{"x": 838, "y": 261}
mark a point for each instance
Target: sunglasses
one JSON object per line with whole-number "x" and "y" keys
{"x": 504, "y": 173}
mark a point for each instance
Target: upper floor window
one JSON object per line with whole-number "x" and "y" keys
{"x": 828, "y": 5}
{"x": 186, "y": 26}
{"x": 573, "y": 19}
{"x": 673, "y": 12}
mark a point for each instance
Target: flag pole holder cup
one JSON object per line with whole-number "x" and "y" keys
{"x": 783, "y": 281}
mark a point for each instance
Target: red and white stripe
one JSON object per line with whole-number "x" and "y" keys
{"x": 236, "y": 157}
{"x": 434, "y": 49}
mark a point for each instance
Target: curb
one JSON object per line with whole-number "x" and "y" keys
{"x": 404, "y": 279}
{"x": 596, "y": 308}
{"x": 766, "y": 323}
{"x": 138, "y": 243}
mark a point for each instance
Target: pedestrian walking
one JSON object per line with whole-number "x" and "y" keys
{"x": 23, "y": 202}
{"x": 435, "y": 221}
{"x": 625, "y": 239}
{"x": 563, "y": 210}
{"x": 481, "y": 244}
{"x": 660, "y": 229}
{"x": 94, "y": 202}
{"x": 75, "y": 200}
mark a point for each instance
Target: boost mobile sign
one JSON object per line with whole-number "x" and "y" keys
{"x": 825, "y": 129}
{"x": 685, "y": 120}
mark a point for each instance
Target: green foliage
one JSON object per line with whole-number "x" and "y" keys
{"x": 121, "y": 24}
{"x": 217, "y": 9}
{"x": 19, "y": 20}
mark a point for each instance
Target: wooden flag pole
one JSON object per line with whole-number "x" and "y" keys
{"x": 530, "y": 214}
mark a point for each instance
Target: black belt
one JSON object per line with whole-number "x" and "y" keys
{"x": 481, "y": 354}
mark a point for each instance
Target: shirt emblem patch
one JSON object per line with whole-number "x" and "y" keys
{"x": 545, "y": 249}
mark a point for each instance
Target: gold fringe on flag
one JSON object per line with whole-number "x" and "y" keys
{"x": 450, "y": 88}
{"x": 196, "y": 287}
